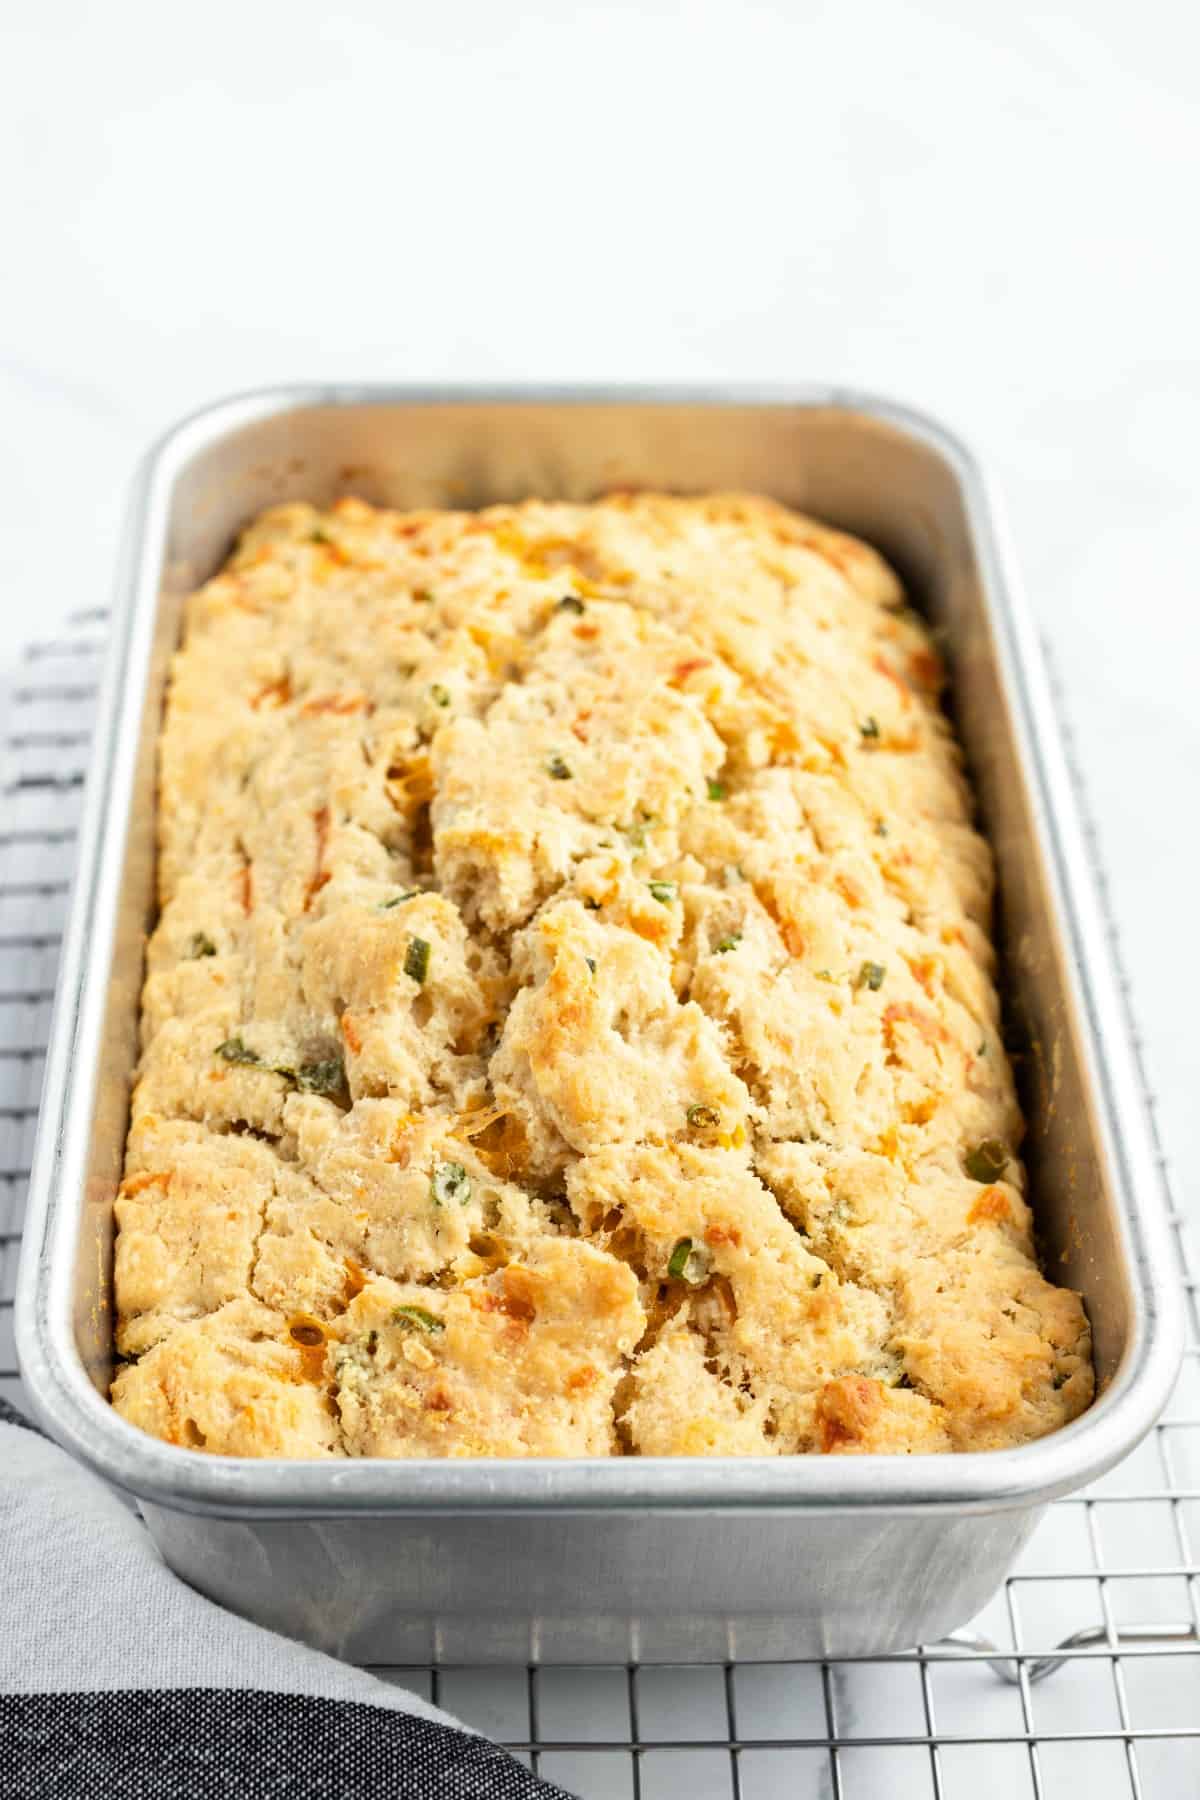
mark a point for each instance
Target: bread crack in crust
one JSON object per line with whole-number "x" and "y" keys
{"x": 570, "y": 1025}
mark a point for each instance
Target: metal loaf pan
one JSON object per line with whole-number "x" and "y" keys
{"x": 607, "y": 1559}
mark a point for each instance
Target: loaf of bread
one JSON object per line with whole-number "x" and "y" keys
{"x": 570, "y": 1025}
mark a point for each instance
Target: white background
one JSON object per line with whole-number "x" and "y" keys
{"x": 987, "y": 210}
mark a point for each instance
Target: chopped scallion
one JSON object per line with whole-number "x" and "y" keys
{"x": 679, "y": 1256}
{"x": 987, "y": 1161}
{"x": 326, "y": 1076}
{"x": 418, "y": 1316}
{"x": 636, "y": 833}
{"x": 690, "y": 1262}
{"x": 871, "y": 976}
{"x": 448, "y": 1182}
{"x": 664, "y": 891}
{"x": 704, "y": 1118}
{"x": 416, "y": 960}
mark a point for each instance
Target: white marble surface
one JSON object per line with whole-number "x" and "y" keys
{"x": 988, "y": 211}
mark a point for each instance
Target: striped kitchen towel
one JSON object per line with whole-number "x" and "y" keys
{"x": 119, "y": 1682}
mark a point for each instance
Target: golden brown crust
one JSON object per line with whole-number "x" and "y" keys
{"x": 570, "y": 1025}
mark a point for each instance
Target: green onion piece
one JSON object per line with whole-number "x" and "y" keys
{"x": 690, "y": 1262}
{"x": 636, "y": 833}
{"x": 729, "y": 943}
{"x": 881, "y": 829}
{"x": 679, "y": 1256}
{"x": 416, "y": 960}
{"x": 664, "y": 891}
{"x": 439, "y": 694}
{"x": 871, "y": 976}
{"x": 824, "y": 975}
{"x": 398, "y": 899}
{"x": 327, "y": 1077}
{"x": 869, "y": 726}
{"x": 591, "y": 963}
{"x": 201, "y": 945}
{"x": 705, "y": 1118}
{"x": 417, "y": 1315}
{"x": 448, "y": 1182}
{"x": 556, "y": 767}
{"x": 570, "y": 603}
{"x": 717, "y": 790}
{"x": 235, "y": 1051}
{"x": 987, "y": 1161}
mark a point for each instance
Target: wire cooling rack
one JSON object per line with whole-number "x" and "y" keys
{"x": 1096, "y": 1690}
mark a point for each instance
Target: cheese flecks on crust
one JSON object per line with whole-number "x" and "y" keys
{"x": 570, "y": 1024}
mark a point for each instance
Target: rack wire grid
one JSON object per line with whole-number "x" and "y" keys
{"x": 1096, "y": 1687}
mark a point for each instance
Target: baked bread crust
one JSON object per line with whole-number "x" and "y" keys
{"x": 570, "y": 1026}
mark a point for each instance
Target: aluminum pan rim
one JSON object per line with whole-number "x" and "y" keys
{"x": 186, "y": 1480}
